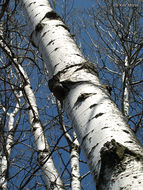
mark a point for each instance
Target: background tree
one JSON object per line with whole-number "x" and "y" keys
{"x": 23, "y": 170}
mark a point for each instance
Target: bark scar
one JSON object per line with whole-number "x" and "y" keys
{"x": 112, "y": 152}
{"x": 52, "y": 15}
{"x": 58, "y": 88}
{"x": 112, "y": 156}
{"x": 39, "y": 27}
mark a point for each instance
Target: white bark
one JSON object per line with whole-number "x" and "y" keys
{"x": 104, "y": 136}
{"x": 74, "y": 152}
{"x": 8, "y": 147}
{"x": 51, "y": 175}
{"x": 125, "y": 95}
{"x": 52, "y": 39}
{"x": 11, "y": 128}
{"x": 75, "y": 171}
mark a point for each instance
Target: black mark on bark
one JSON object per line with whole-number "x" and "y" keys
{"x": 52, "y": 15}
{"x": 92, "y": 106}
{"x": 126, "y": 131}
{"x": 56, "y": 49}
{"x": 98, "y": 115}
{"x": 90, "y": 153}
{"x": 82, "y": 97}
{"x": 58, "y": 88}
{"x": 51, "y": 42}
{"x": 39, "y": 27}
{"x": 64, "y": 26}
{"x": 31, "y": 4}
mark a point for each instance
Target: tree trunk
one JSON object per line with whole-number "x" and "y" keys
{"x": 74, "y": 152}
{"x": 75, "y": 171}
{"x": 45, "y": 160}
{"x": 126, "y": 90}
{"x": 114, "y": 156}
{"x": 4, "y": 165}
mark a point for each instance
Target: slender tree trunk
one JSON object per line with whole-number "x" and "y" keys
{"x": 125, "y": 93}
{"x": 74, "y": 152}
{"x": 8, "y": 146}
{"x": 114, "y": 156}
{"x": 45, "y": 161}
{"x": 51, "y": 175}
{"x": 7, "y": 138}
{"x": 75, "y": 171}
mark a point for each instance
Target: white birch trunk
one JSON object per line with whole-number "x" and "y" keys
{"x": 114, "y": 156}
{"x": 51, "y": 175}
{"x": 7, "y": 147}
{"x": 75, "y": 171}
{"x": 125, "y": 95}
{"x": 74, "y": 152}
{"x": 9, "y": 142}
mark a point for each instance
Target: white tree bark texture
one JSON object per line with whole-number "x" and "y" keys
{"x": 75, "y": 169}
{"x": 9, "y": 142}
{"x": 45, "y": 160}
{"x": 126, "y": 89}
{"x": 114, "y": 155}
